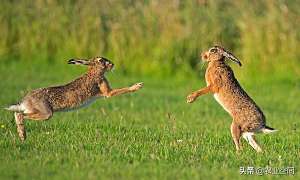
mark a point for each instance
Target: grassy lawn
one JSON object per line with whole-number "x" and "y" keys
{"x": 152, "y": 134}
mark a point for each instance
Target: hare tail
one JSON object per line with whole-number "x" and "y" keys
{"x": 268, "y": 130}
{"x": 15, "y": 108}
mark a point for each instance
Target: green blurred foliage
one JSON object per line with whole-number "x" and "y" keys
{"x": 151, "y": 36}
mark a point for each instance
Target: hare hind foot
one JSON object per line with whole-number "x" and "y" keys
{"x": 236, "y": 135}
{"x": 19, "y": 118}
{"x": 249, "y": 137}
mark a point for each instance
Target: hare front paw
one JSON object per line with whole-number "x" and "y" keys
{"x": 136, "y": 86}
{"x": 191, "y": 98}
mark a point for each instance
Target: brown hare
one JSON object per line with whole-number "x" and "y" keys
{"x": 41, "y": 103}
{"x": 248, "y": 118}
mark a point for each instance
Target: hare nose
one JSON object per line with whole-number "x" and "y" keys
{"x": 204, "y": 55}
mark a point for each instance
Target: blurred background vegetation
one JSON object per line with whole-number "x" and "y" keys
{"x": 152, "y": 37}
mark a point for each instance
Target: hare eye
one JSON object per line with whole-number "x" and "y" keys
{"x": 213, "y": 50}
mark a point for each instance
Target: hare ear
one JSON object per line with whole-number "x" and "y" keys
{"x": 79, "y": 62}
{"x": 231, "y": 57}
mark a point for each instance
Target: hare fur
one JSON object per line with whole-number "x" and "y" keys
{"x": 248, "y": 118}
{"x": 40, "y": 104}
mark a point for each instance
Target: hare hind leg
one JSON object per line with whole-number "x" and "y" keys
{"x": 40, "y": 111}
{"x": 236, "y": 135}
{"x": 249, "y": 137}
{"x": 38, "y": 116}
{"x": 19, "y": 118}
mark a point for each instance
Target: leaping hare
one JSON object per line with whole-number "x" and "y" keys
{"x": 248, "y": 118}
{"x": 41, "y": 103}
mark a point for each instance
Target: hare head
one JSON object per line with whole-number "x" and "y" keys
{"x": 218, "y": 53}
{"x": 98, "y": 63}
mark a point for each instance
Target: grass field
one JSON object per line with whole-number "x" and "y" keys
{"x": 152, "y": 134}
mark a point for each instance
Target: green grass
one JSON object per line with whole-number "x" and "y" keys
{"x": 152, "y": 134}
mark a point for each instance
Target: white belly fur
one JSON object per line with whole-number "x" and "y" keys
{"x": 218, "y": 99}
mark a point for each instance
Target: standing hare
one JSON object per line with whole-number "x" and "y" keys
{"x": 248, "y": 118}
{"x": 40, "y": 104}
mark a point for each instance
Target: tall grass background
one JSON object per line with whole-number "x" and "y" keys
{"x": 152, "y": 37}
